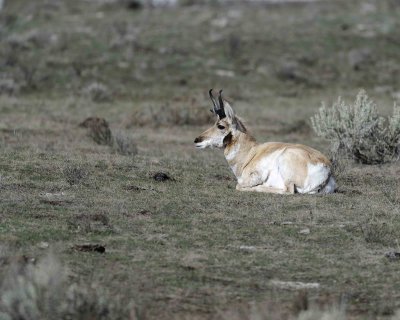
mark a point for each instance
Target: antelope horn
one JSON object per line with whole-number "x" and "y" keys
{"x": 218, "y": 110}
{"x": 214, "y": 101}
{"x": 221, "y": 106}
{"x": 221, "y": 101}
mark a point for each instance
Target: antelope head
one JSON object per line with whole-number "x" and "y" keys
{"x": 224, "y": 129}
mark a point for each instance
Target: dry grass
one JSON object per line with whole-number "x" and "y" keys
{"x": 74, "y": 174}
{"x": 192, "y": 246}
{"x": 174, "y": 114}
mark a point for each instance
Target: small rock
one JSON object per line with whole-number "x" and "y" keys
{"x": 52, "y": 195}
{"x": 161, "y": 176}
{"x": 89, "y": 248}
{"x": 344, "y": 26}
{"x": 43, "y": 245}
{"x": 248, "y": 248}
{"x": 392, "y": 255}
{"x": 222, "y": 22}
{"x": 305, "y": 231}
{"x": 225, "y": 73}
{"x": 294, "y": 285}
{"x": 182, "y": 82}
{"x": 134, "y": 4}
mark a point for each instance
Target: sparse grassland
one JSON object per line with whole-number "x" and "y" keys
{"x": 193, "y": 247}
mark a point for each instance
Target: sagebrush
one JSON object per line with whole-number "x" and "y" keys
{"x": 359, "y": 130}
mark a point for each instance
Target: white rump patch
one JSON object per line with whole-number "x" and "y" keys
{"x": 330, "y": 186}
{"x": 317, "y": 176}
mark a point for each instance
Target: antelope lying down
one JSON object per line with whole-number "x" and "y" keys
{"x": 269, "y": 167}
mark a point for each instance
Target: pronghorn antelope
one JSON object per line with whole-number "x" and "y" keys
{"x": 273, "y": 167}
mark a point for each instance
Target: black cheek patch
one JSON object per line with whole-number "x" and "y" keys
{"x": 227, "y": 140}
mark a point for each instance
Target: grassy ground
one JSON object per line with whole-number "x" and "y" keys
{"x": 193, "y": 246}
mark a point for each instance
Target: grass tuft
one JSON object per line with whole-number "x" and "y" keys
{"x": 124, "y": 144}
{"x": 98, "y": 92}
{"x": 74, "y": 174}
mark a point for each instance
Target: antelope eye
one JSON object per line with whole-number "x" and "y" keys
{"x": 221, "y": 127}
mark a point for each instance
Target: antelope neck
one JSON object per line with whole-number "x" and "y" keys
{"x": 237, "y": 151}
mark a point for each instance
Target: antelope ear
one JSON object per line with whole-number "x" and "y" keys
{"x": 239, "y": 125}
{"x": 231, "y": 115}
{"x": 229, "y": 111}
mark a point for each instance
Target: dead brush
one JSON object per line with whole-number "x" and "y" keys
{"x": 99, "y": 130}
{"x": 171, "y": 114}
{"x": 120, "y": 142}
{"x": 359, "y": 131}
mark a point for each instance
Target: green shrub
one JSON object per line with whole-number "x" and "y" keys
{"x": 359, "y": 131}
